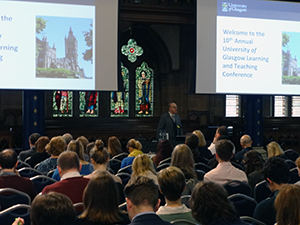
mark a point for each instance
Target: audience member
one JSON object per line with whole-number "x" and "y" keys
{"x": 274, "y": 149}
{"x": 67, "y": 137}
{"x": 134, "y": 148}
{"x": 77, "y": 147}
{"x": 9, "y": 177}
{"x": 52, "y": 209}
{"x": 40, "y": 154}
{"x": 142, "y": 165}
{"x": 221, "y": 133}
{"x": 287, "y": 205}
{"x": 84, "y": 141}
{"x": 182, "y": 158}
{"x": 210, "y": 205}
{"x": 171, "y": 184}
{"x": 253, "y": 164}
{"x": 32, "y": 139}
{"x": 225, "y": 171}
{"x": 56, "y": 146}
{"x": 246, "y": 144}
{"x": 297, "y": 162}
{"x": 72, "y": 183}
{"x": 142, "y": 201}
{"x": 100, "y": 200}
{"x": 163, "y": 151}
{"x": 192, "y": 141}
{"x": 202, "y": 145}
{"x": 114, "y": 146}
{"x": 99, "y": 158}
{"x": 87, "y": 150}
{"x": 276, "y": 173}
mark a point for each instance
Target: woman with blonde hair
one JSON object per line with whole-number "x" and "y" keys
{"x": 287, "y": 205}
{"x": 134, "y": 147}
{"x": 100, "y": 200}
{"x": 77, "y": 147}
{"x": 114, "y": 146}
{"x": 274, "y": 149}
{"x": 142, "y": 165}
{"x": 99, "y": 158}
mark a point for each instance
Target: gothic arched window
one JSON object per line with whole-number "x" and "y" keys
{"x": 62, "y": 103}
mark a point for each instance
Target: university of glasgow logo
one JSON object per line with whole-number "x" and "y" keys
{"x": 224, "y": 7}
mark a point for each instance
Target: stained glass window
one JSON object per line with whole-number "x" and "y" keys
{"x": 132, "y": 50}
{"x": 144, "y": 91}
{"x": 119, "y": 100}
{"x": 88, "y": 104}
{"x": 62, "y": 103}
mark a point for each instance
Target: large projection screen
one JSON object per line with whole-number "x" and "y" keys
{"x": 248, "y": 47}
{"x": 59, "y": 44}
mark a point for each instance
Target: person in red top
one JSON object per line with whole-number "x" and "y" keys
{"x": 9, "y": 176}
{"x": 71, "y": 184}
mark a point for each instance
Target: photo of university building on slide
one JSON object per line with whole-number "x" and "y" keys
{"x": 48, "y": 62}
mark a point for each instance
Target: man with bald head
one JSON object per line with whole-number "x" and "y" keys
{"x": 246, "y": 144}
{"x": 170, "y": 123}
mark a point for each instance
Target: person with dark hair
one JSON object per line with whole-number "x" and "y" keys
{"x": 253, "y": 164}
{"x": 192, "y": 141}
{"x": 9, "y": 177}
{"x": 32, "y": 139}
{"x": 71, "y": 183}
{"x": 276, "y": 173}
{"x": 100, "y": 200}
{"x": 52, "y": 209}
{"x": 287, "y": 205}
{"x": 170, "y": 123}
{"x": 202, "y": 145}
{"x": 246, "y": 144}
{"x": 40, "y": 154}
{"x": 142, "y": 201}
{"x": 56, "y": 146}
{"x": 171, "y": 184}
{"x": 114, "y": 146}
{"x": 99, "y": 158}
{"x": 210, "y": 205}
{"x": 221, "y": 134}
{"x": 163, "y": 151}
{"x": 225, "y": 171}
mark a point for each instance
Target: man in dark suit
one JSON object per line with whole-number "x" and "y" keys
{"x": 9, "y": 178}
{"x": 71, "y": 184}
{"x": 142, "y": 201}
{"x": 170, "y": 123}
{"x": 28, "y": 153}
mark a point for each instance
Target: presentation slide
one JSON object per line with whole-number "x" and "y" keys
{"x": 257, "y": 47}
{"x": 50, "y": 45}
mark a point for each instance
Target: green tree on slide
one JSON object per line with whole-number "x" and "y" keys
{"x": 285, "y": 42}
{"x": 40, "y": 26}
{"x": 88, "y": 37}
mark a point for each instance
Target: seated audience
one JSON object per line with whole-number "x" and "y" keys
{"x": 182, "y": 158}
{"x": 210, "y": 205}
{"x": 192, "y": 141}
{"x": 99, "y": 158}
{"x": 276, "y": 173}
{"x": 142, "y": 165}
{"x": 114, "y": 146}
{"x": 274, "y": 149}
{"x": 221, "y": 134}
{"x": 134, "y": 148}
{"x": 253, "y": 164}
{"x": 287, "y": 205}
{"x": 52, "y": 209}
{"x": 202, "y": 145}
{"x": 56, "y": 146}
{"x": 40, "y": 154}
{"x": 246, "y": 144}
{"x": 77, "y": 147}
{"x": 9, "y": 177}
{"x": 71, "y": 183}
{"x": 32, "y": 139}
{"x": 100, "y": 202}
{"x": 171, "y": 184}
{"x": 225, "y": 171}
{"x": 142, "y": 201}
{"x": 163, "y": 151}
